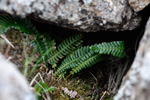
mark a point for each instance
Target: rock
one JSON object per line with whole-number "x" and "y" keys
{"x": 138, "y": 5}
{"x": 13, "y": 85}
{"x": 136, "y": 84}
{"x": 82, "y": 15}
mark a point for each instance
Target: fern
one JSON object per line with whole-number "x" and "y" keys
{"x": 115, "y": 48}
{"x": 42, "y": 44}
{"x": 78, "y": 60}
{"x": 71, "y": 60}
{"x": 87, "y": 56}
{"x": 63, "y": 49}
{"x": 87, "y": 61}
{"x": 23, "y": 25}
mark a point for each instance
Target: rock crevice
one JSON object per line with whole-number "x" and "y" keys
{"x": 137, "y": 81}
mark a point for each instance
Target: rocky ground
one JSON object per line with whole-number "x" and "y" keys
{"x": 98, "y": 21}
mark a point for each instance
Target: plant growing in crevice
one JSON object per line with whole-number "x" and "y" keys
{"x": 89, "y": 55}
{"x": 78, "y": 57}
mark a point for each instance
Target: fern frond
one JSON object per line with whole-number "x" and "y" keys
{"x": 88, "y": 61}
{"x": 70, "y": 60}
{"x": 87, "y": 56}
{"x": 23, "y": 25}
{"x": 78, "y": 60}
{"x": 42, "y": 44}
{"x": 115, "y": 48}
{"x": 66, "y": 47}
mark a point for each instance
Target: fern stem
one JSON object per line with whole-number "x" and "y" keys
{"x": 107, "y": 48}
{"x": 115, "y": 48}
{"x": 65, "y": 66}
{"x": 39, "y": 46}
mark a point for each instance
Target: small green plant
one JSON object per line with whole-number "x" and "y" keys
{"x": 65, "y": 48}
{"x": 78, "y": 57}
{"x": 23, "y": 25}
{"x": 42, "y": 88}
{"x": 89, "y": 55}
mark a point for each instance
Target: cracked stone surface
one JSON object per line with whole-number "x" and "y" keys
{"x": 82, "y": 15}
{"x": 136, "y": 84}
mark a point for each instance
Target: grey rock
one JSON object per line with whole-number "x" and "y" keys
{"x": 138, "y": 5}
{"x": 13, "y": 86}
{"x": 82, "y": 15}
{"x": 136, "y": 84}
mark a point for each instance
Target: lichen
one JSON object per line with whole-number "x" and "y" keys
{"x": 92, "y": 11}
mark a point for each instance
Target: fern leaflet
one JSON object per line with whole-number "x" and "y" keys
{"x": 115, "y": 48}
{"x": 66, "y": 47}
{"x": 78, "y": 60}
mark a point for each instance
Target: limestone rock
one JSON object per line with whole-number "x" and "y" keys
{"x": 138, "y": 5}
{"x": 136, "y": 84}
{"x": 13, "y": 85}
{"x": 82, "y": 15}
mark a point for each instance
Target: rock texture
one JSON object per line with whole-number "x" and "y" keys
{"x": 136, "y": 85}
{"x": 82, "y": 15}
{"x": 138, "y": 5}
{"x": 13, "y": 85}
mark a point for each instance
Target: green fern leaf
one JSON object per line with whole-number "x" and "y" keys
{"x": 115, "y": 48}
{"x": 87, "y": 56}
{"x": 70, "y": 60}
{"x": 88, "y": 61}
{"x": 23, "y": 25}
{"x": 66, "y": 47}
{"x": 42, "y": 43}
{"x": 78, "y": 60}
